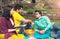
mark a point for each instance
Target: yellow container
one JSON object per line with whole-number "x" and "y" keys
{"x": 29, "y": 32}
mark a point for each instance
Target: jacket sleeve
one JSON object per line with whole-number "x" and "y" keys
{"x": 48, "y": 22}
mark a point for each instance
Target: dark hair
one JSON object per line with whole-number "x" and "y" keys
{"x": 39, "y": 12}
{"x": 18, "y": 6}
{"x": 6, "y": 12}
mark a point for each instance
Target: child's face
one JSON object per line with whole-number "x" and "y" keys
{"x": 37, "y": 15}
{"x": 20, "y": 10}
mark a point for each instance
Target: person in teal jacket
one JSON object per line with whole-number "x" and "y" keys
{"x": 42, "y": 26}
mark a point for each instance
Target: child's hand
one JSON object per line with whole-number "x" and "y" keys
{"x": 10, "y": 30}
{"x": 42, "y": 31}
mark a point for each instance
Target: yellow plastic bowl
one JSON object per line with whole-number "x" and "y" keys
{"x": 29, "y": 32}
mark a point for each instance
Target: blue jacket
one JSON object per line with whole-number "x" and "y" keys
{"x": 43, "y": 23}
